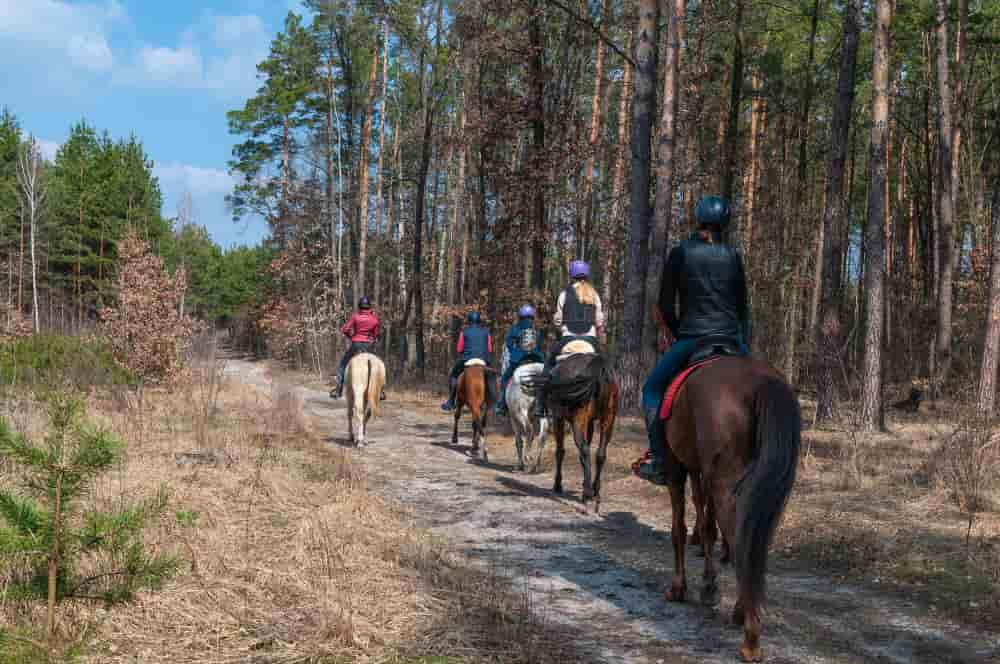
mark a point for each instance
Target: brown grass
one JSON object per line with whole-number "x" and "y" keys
{"x": 288, "y": 555}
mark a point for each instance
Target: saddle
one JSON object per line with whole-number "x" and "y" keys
{"x": 475, "y": 362}
{"x": 711, "y": 348}
{"x": 577, "y": 346}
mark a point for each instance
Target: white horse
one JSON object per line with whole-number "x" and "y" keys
{"x": 521, "y": 408}
{"x": 363, "y": 382}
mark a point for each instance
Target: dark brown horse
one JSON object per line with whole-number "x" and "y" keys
{"x": 735, "y": 428}
{"x": 472, "y": 391}
{"x": 582, "y": 391}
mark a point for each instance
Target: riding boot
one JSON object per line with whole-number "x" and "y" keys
{"x": 338, "y": 391}
{"x": 654, "y": 468}
{"x": 449, "y": 405}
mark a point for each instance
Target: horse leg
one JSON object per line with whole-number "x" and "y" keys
{"x": 678, "y": 535}
{"x": 602, "y": 454}
{"x": 699, "y": 501}
{"x": 710, "y": 583}
{"x": 482, "y": 432}
{"x": 582, "y": 434}
{"x": 519, "y": 444}
{"x": 560, "y": 453}
{"x": 750, "y": 650}
{"x": 458, "y": 414}
{"x": 538, "y": 430}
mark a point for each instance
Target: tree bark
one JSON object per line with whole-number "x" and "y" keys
{"x": 636, "y": 267}
{"x": 362, "y": 209}
{"x": 946, "y": 205}
{"x": 666, "y": 163}
{"x": 537, "y": 75}
{"x": 617, "y": 219}
{"x": 872, "y": 412}
{"x": 735, "y": 99}
{"x": 588, "y": 215}
{"x": 991, "y": 345}
{"x": 379, "y": 203}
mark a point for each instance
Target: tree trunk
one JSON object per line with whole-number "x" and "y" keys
{"x": 379, "y": 203}
{"x": 991, "y": 346}
{"x": 588, "y": 215}
{"x": 537, "y": 74}
{"x": 946, "y": 205}
{"x": 636, "y": 266}
{"x": 617, "y": 221}
{"x": 758, "y": 119}
{"x": 735, "y": 98}
{"x": 666, "y": 163}
{"x": 458, "y": 211}
{"x": 872, "y": 412}
{"x": 362, "y": 210}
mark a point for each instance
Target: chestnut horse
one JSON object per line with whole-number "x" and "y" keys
{"x": 582, "y": 391}
{"x": 473, "y": 391}
{"x": 735, "y": 428}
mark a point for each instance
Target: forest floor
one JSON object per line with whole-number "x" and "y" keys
{"x": 873, "y": 563}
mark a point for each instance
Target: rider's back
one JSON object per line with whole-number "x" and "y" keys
{"x": 709, "y": 281}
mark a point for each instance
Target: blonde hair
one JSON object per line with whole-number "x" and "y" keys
{"x": 585, "y": 292}
{"x": 705, "y": 235}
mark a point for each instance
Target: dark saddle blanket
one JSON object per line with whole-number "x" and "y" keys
{"x": 709, "y": 350}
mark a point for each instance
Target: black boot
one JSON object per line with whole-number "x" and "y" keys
{"x": 338, "y": 391}
{"x": 654, "y": 468}
{"x": 449, "y": 405}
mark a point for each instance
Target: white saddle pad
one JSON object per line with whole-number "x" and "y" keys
{"x": 575, "y": 347}
{"x": 475, "y": 362}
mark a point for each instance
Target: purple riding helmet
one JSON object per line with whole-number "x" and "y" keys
{"x": 526, "y": 311}
{"x": 579, "y": 270}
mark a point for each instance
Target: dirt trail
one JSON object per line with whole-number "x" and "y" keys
{"x": 606, "y": 574}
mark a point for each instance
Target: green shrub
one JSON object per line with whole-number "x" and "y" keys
{"x": 47, "y": 359}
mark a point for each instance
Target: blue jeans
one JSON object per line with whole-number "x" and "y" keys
{"x": 672, "y": 362}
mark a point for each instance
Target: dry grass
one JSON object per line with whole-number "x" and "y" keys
{"x": 288, "y": 556}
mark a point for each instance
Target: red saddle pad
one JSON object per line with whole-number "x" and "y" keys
{"x": 675, "y": 386}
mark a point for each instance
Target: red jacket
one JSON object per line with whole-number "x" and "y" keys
{"x": 364, "y": 327}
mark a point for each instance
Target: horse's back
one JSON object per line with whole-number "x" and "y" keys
{"x": 366, "y": 373}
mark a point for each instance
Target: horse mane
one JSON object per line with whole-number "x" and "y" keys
{"x": 578, "y": 379}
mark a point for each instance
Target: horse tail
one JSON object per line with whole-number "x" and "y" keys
{"x": 371, "y": 405}
{"x": 763, "y": 490}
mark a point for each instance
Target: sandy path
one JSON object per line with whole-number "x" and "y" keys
{"x": 605, "y": 574}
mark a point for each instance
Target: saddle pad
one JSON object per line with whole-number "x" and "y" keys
{"x": 577, "y": 346}
{"x": 677, "y": 383}
{"x": 475, "y": 362}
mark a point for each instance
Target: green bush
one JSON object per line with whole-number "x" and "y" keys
{"x": 47, "y": 359}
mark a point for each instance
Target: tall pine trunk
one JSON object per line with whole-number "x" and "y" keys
{"x": 616, "y": 222}
{"x": 636, "y": 266}
{"x": 872, "y": 412}
{"x": 991, "y": 346}
{"x": 366, "y": 137}
{"x": 945, "y": 204}
{"x": 666, "y": 162}
{"x": 730, "y": 143}
{"x": 379, "y": 203}
{"x": 537, "y": 75}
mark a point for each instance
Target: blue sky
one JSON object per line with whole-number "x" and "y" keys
{"x": 168, "y": 71}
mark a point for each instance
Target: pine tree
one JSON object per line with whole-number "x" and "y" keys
{"x": 45, "y": 531}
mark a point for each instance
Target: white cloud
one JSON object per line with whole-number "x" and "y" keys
{"x": 48, "y": 148}
{"x": 79, "y": 31}
{"x": 198, "y": 181}
{"x": 219, "y": 54}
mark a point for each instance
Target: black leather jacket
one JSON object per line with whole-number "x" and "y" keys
{"x": 709, "y": 281}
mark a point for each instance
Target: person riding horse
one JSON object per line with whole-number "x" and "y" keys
{"x": 363, "y": 329}
{"x": 523, "y": 345}
{"x": 474, "y": 343}
{"x": 579, "y": 315}
{"x": 707, "y": 275}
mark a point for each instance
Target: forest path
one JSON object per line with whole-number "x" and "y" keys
{"x": 604, "y": 576}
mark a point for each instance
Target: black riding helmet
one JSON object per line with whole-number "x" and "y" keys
{"x": 472, "y": 318}
{"x": 364, "y": 303}
{"x": 713, "y": 211}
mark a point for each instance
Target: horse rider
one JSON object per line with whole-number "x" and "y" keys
{"x": 474, "y": 343}
{"x": 363, "y": 329}
{"x": 579, "y": 315}
{"x": 523, "y": 343}
{"x": 706, "y": 275}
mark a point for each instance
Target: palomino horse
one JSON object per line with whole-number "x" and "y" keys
{"x": 735, "y": 428}
{"x": 521, "y": 405}
{"x": 472, "y": 391}
{"x": 363, "y": 382}
{"x": 581, "y": 390}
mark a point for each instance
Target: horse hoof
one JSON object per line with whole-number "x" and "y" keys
{"x": 557, "y": 489}
{"x": 710, "y": 594}
{"x": 677, "y": 593}
{"x": 748, "y": 654}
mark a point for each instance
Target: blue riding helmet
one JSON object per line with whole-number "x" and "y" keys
{"x": 526, "y": 311}
{"x": 473, "y": 318}
{"x": 579, "y": 270}
{"x": 364, "y": 303}
{"x": 713, "y": 211}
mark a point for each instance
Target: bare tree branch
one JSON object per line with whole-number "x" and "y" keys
{"x": 596, "y": 30}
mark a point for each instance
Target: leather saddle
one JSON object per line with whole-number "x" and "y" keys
{"x": 577, "y": 346}
{"x": 715, "y": 345}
